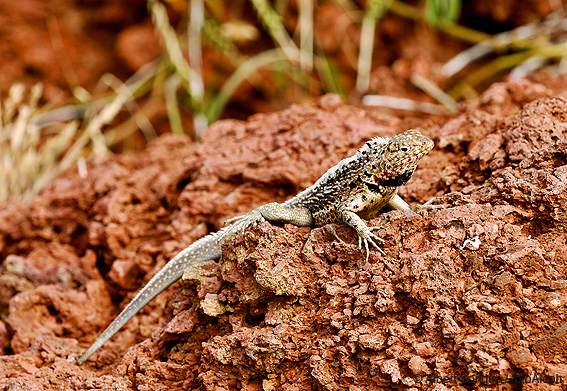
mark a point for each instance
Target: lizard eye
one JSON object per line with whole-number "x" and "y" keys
{"x": 404, "y": 149}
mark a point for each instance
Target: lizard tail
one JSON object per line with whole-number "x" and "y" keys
{"x": 202, "y": 250}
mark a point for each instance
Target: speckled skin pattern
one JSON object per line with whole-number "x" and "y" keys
{"x": 353, "y": 190}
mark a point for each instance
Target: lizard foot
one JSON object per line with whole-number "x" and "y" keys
{"x": 330, "y": 229}
{"x": 366, "y": 237}
{"x": 250, "y": 219}
{"x": 428, "y": 205}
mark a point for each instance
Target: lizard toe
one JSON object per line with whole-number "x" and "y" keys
{"x": 240, "y": 223}
{"x": 369, "y": 239}
{"x": 377, "y": 238}
{"x": 367, "y": 250}
{"x": 428, "y": 205}
{"x": 233, "y": 219}
{"x": 375, "y": 245}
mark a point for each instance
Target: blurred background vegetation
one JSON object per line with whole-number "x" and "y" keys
{"x": 193, "y": 62}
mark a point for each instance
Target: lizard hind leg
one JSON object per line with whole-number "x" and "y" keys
{"x": 299, "y": 216}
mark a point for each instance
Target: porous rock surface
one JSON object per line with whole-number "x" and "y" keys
{"x": 470, "y": 294}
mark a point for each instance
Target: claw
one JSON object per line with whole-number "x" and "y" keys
{"x": 366, "y": 249}
{"x": 241, "y": 223}
{"x": 233, "y": 219}
{"x": 333, "y": 231}
{"x": 368, "y": 237}
{"x": 374, "y": 236}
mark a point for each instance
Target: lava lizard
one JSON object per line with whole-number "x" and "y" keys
{"x": 356, "y": 188}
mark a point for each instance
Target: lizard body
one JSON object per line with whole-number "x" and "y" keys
{"x": 354, "y": 189}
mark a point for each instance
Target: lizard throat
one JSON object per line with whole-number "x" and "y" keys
{"x": 397, "y": 180}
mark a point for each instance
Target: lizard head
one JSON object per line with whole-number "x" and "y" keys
{"x": 391, "y": 162}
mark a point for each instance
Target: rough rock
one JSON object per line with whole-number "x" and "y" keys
{"x": 464, "y": 296}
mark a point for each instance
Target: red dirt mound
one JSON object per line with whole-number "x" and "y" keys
{"x": 469, "y": 295}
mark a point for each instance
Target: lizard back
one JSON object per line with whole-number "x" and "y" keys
{"x": 381, "y": 165}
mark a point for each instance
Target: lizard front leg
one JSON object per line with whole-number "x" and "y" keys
{"x": 369, "y": 202}
{"x": 299, "y": 216}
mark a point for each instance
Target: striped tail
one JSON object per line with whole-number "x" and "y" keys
{"x": 202, "y": 250}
